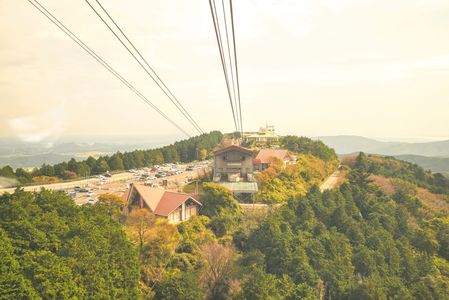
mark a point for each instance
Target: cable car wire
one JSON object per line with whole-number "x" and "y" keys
{"x": 161, "y": 85}
{"x": 213, "y": 10}
{"x": 92, "y": 53}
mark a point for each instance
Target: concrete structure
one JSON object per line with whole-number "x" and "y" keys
{"x": 264, "y": 135}
{"x": 266, "y": 156}
{"x": 176, "y": 207}
{"x": 233, "y": 164}
{"x": 241, "y": 187}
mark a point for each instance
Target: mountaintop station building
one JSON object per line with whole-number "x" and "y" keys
{"x": 233, "y": 168}
{"x": 233, "y": 164}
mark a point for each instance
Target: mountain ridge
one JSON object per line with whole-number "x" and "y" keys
{"x": 346, "y": 144}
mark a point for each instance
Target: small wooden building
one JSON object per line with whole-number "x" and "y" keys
{"x": 174, "y": 206}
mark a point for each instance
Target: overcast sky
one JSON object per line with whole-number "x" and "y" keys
{"x": 377, "y": 68}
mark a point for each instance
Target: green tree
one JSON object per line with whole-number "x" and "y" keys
{"x": 72, "y": 165}
{"x": 116, "y": 162}
{"x": 179, "y": 286}
{"x": 63, "y": 251}
{"x": 101, "y": 166}
{"x": 47, "y": 170}
{"x": 425, "y": 240}
{"x": 129, "y": 161}
{"x": 13, "y": 284}
{"x": 217, "y": 199}
{"x": 7, "y": 171}
{"x": 23, "y": 176}
{"x": 261, "y": 285}
{"x": 91, "y": 162}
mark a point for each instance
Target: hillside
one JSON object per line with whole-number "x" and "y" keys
{"x": 346, "y": 144}
{"x": 435, "y": 164}
{"x": 365, "y": 240}
{"x": 381, "y": 235}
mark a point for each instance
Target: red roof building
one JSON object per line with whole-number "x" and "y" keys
{"x": 266, "y": 156}
{"x": 174, "y": 206}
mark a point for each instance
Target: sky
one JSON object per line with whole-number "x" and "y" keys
{"x": 376, "y": 68}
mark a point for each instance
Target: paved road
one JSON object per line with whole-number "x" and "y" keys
{"x": 71, "y": 184}
{"x": 174, "y": 181}
{"x": 331, "y": 181}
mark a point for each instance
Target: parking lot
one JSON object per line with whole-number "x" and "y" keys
{"x": 162, "y": 177}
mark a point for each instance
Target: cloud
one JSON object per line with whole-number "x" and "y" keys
{"x": 44, "y": 127}
{"x": 347, "y": 72}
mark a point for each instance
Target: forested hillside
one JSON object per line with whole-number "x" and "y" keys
{"x": 393, "y": 168}
{"x": 305, "y": 145}
{"x": 360, "y": 241}
{"x": 352, "y": 243}
{"x": 52, "y": 249}
{"x": 435, "y": 164}
{"x": 194, "y": 148}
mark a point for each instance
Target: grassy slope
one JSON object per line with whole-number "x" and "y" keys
{"x": 278, "y": 183}
{"x": 434, "y": 203}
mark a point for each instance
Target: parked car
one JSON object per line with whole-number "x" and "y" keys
{"x": 151, "y": 184}
{"x": 83, "y": 190}
{"x": 77, "y": 188}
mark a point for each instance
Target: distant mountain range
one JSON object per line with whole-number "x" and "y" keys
{"x": 435, "y": 164}
{"x": 346, "y": 144}
{"x": 19, "y": 154}
{"x": 432, "y": 156}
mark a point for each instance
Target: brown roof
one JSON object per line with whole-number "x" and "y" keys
{"x": 233, "y": 147}
{"x": 266, "y": 155}
{"x": 151, "y": 196}
{"x": 171, "y": 201}
{"x": 160, "y": 201}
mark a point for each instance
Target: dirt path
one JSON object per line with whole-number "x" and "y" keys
{"x": 332, "y": 180}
